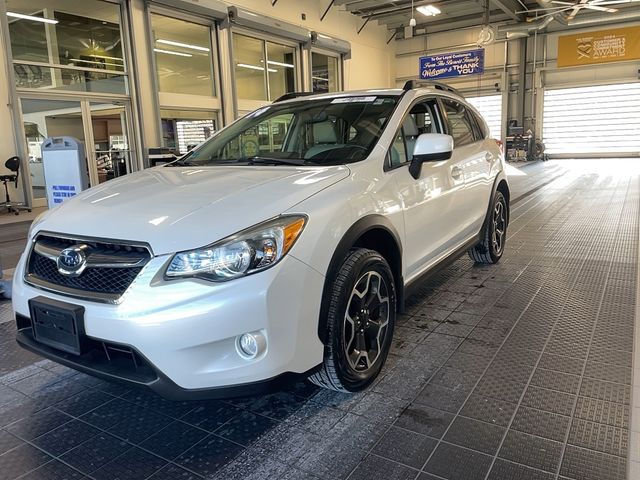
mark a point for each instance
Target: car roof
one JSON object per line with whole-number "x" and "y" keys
{"x": 422, "y": 90}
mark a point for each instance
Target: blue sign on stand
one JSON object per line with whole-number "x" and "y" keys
{"x": 455, "y": 64}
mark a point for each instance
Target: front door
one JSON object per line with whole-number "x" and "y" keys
{"x": 102, "y": 125}
{"x": 430, "y": 202}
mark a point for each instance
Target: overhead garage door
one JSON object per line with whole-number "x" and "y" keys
{"x": 490, "y": 107}
{"x": 586, "y": 121}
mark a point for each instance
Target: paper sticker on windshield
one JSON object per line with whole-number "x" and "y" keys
{"x": 353, "y": 100}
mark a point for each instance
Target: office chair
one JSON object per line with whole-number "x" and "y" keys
{"x": 13, "y": 164}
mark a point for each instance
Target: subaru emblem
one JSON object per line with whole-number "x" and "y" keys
{"x": 72, "y": 261}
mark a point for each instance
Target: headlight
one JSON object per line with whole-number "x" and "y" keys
{"x": 249, "y": 251}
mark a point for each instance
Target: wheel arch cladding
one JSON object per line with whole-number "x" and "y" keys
{"x": 503, "y": 188}
{"x": 376, "y": 233}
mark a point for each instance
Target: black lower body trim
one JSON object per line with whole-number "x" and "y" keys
{"x": 146, "y": 376}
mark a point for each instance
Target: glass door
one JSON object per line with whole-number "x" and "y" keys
{"x": 109, "y": 152}
{"x": 103, "y": 126}
{"x": 43, "y": 118}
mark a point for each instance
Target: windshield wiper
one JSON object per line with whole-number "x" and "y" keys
{"x": 181, "y": 163}
{"x": 275, "y": 161}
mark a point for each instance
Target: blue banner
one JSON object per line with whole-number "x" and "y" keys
{"x": 455, "y": 64}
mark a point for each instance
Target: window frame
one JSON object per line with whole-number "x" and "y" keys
{"x": 328, "y": 53}
{"x": 441, "y": 122}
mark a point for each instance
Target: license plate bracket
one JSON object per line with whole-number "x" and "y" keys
{"x": 57, "y": 324}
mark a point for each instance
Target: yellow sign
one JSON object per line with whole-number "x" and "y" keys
{"x": 603, "y": 46}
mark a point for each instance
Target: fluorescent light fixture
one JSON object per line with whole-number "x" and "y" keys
{"x": 32, "y": 18}
{"x": 169, "y": 52}
{"x": 429, "y": 10}
{"x": 255, "y": 67}
{"x": 280, "y": 64}
{"x": 183, "y": 45}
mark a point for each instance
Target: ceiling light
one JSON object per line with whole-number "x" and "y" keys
{"x": 32, "y": 18}
{"x": 429, "y": 10}
{"x": 281, "y": 64}
{"x": 255, "y": 67}
{"x": 169, "y": 52}
{"x": 183, "y": 45}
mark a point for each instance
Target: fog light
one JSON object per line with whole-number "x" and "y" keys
{"x": 250, "y": 345}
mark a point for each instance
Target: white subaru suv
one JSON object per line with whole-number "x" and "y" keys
{"x": 284, "y": 246}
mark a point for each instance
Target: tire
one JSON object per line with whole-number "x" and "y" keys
{"x": 357, "y": 303}
{"x": 494, "y": 236}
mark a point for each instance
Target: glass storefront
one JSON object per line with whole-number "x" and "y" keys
{"x": 325, "y": 74}
{"x": 264, "y": 70}
{"x": 69, "y": 46}
{"x": 183, "y": 58}
{"x": 184, "y": 129}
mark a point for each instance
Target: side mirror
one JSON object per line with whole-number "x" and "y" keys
{"x": 430, "y": 147}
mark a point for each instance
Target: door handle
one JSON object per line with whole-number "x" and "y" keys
{"x": 456, "y": 172}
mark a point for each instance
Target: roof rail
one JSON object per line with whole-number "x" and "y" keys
{"x": 412, "y": 84}
{"x": 290, "y": 95}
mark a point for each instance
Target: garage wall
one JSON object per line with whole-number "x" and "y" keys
{"x": 502, "y": 67}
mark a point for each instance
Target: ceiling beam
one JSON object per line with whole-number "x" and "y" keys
{"x": 510, "y": 7}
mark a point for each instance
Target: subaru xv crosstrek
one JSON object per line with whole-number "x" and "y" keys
{"x": 282, "y": 247}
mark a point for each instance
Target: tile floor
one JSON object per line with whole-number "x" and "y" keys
{"x": 520, "y": 370}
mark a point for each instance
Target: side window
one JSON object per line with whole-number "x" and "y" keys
{"x": 460, "y": 126}
{"x": 398, "y": 151}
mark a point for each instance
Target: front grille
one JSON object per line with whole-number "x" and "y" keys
{"x": 102, "y": 280}
{"x": 111, "y": 267}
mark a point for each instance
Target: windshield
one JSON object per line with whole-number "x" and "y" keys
{"x": 311, "y": 132}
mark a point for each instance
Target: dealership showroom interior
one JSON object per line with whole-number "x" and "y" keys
{"x": 320, "y": 239}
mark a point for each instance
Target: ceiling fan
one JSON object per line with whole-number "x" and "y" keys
{"x": 575, "y": 7}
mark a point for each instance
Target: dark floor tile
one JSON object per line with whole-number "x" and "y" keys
{"x": 426, "y": 420}
{"x": 504, "y": 470}
{"x": 455, "y": 379}
{"x": 608, "y": 372}
{"x": 21, "y": 460}
{"x": 246, "y": 428}
{"x": 38, "y": 424}
{"x": 582, "y": 464}
{"x": 140, "y": 425}
{"x": 377, "y": 468}
{"x": 560, "y": 363}
{"x": 562, "y": 382}
{"x": 487, "y": 409}
{"x": 480, "y": 436}
{"x": 54, "y": 470}
{"x": 599, "y": 411}
{"x": 532, "y": 451}
{"x": 209, "y": 455}
{"x": 65, "y": 437}
{"x": 549, "y": 400}
{"x": 112, "y": 413}
{"x": 457, "y": 463}
{"x": 173, "y": 440}
{"x": 541, "y": 423}
{"x": 211, "y": 415}
{"x": 161, "y": 405}
{"x": 504, "y": 390}
{"x": 83, "y": 402}
{"x": 315, "y": 417}
{"x": 8, "y": 441}
{"x": 602, "y": 390}
{"x": 376, "y": 406}
{"x": 405, "y": 447}
{"x": 443, "y": 398}
{"x": 96, "y": 452}
{"x": 599, "y": 437}
{"x": 134, "y": 464}
{"x": 173, "y": 472}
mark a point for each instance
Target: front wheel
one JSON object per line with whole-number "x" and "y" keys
{"x": 360, "y": 322}
{"x": 494, "y": 236}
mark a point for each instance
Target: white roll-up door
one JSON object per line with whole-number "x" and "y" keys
{"x": 490, "y": 107}
{"x": 597, "y": 120}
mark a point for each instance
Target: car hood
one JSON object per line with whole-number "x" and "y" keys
{"x": 180, "y": 208}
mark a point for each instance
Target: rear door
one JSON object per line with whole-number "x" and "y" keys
{"x": 430, "y": 203}
{"x": 472, "y": 155}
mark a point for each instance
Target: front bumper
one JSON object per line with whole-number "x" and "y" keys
{"x": 184, "y": 332}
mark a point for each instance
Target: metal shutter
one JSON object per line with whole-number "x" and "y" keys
{"x": 592, "y": 121}
{"x": 490, "y": 107}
